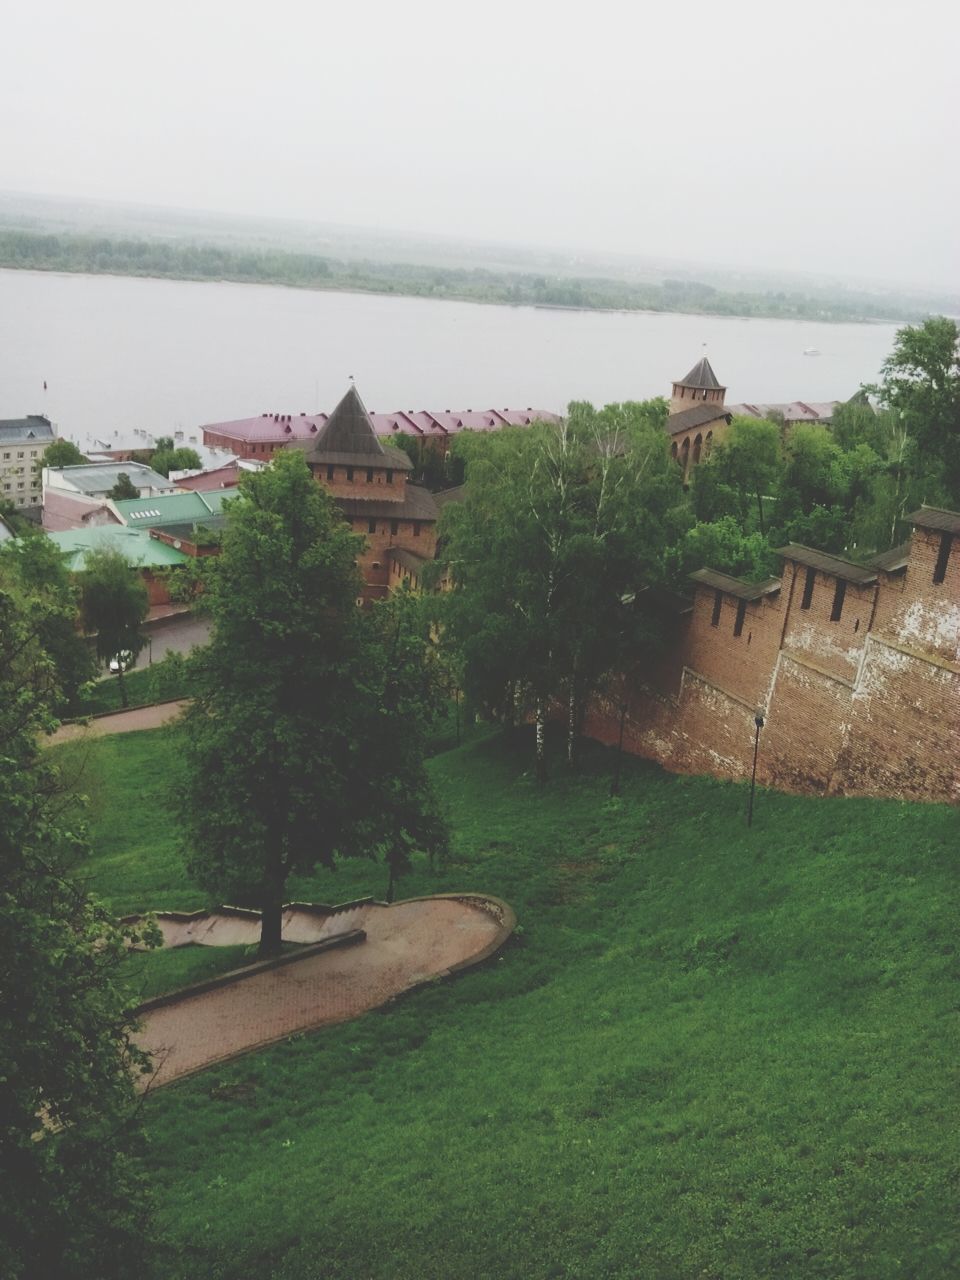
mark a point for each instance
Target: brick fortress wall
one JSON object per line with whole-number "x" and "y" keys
{"x": 867, "y": 703}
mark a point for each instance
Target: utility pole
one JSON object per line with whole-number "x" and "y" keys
{"x": 615, "y": 780}
{"x": 758, "y": 721}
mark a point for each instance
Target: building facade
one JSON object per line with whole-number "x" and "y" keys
{"x": 22, "y": 443}
{"x": 369, "y": 481}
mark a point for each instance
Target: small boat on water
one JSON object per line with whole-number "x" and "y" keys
{"x": 811, "y": 351}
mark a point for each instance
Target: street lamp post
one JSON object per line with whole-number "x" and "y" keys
{"x": 615, "y": 781}
{"x": 758, "y": 721}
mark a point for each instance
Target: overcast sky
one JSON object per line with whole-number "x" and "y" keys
{"x": 818, "y": 136}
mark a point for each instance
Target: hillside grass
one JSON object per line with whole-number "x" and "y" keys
{"x": 709, "y": 1052}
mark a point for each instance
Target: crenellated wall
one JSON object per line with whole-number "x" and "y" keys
{"x": 864, "y": 703}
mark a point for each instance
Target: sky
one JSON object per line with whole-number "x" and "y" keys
{"x": 818, "y": 137}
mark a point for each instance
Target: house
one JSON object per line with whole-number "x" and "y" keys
{"x": 22, "y": 443}
{"x": 97, "y": 479}
{"x": 815, "y": 412}
{"x": 145, "y": 553}
{"x": 368, "y": 480}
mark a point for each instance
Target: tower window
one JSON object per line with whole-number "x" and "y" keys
{"x": 371, "y": 526}
{"x": 808, "y": 588}
{"x": 394, "y": 527}
{"x": 389, "y": 476}
{"x": 369, "y": 475}
{"x": 416, "y": 528}
{"x": 329, "y": 473}
{"x": 349, "y": 473}
{"x": 943, "y": 555}
{"x": 741, "y": 614}
{"x": 717, "y": 606}
{"x": 838, "y": 598}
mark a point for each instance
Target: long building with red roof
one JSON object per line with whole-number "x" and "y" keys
{"x": 261, "y": 436}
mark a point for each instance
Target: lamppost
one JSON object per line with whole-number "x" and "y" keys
{"x": 758, "y": 721}
{"x": 615, "y": 780}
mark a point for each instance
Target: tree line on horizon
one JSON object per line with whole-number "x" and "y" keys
{"x": 30, "y": 250}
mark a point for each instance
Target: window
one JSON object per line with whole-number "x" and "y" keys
{"x": 808, "y": 588}
{"x": 371, "y": 526}
{"x": 717, "y": 606}
{"x": 389, "y": 476}
{"x": 20, "y": 454}
{"x": 329, "y": 473}
{"x": 416, "y": 528}
{"x": 741, "y": 614}
{"x": 943, "y": 555}
{"x": 369, "y": 475}
{"x": 7, "y": 454}
{"x": 19, "y": 484}
{"x": 394, "y": 527}
{"x": 349, "y": 473}
{"x": 7, "y": 484}
{"x": 838, "y": 597}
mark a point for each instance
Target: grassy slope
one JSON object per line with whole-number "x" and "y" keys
{"x": 711, "y": 1053}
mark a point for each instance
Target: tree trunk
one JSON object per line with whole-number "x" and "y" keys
{"x": 390, "y": 882}
{"x": 572, "y": 725}
{"x": 271, "y": 919}
{"x": 760, "y": 510}
{"x": 541, "y": 743}
{"x": 123, "y": 687}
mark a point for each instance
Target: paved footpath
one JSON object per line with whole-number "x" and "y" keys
{"x": 120, "y": 722}
{"x": 407, "y": 944}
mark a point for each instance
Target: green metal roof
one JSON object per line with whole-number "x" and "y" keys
{"x": 136, "y": 544}
{"x": 171, "y": 508}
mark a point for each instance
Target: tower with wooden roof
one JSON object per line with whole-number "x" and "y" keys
{"x": 700, "y": 386}
{"x": 368, "y": 481}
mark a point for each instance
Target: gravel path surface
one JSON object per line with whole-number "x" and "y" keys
{"x": 120, "y": 722}
{"x": 407, "y": 943}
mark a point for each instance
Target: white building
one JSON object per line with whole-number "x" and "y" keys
{"x": 22, "y": 442}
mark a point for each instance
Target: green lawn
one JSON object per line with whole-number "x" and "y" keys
{"x": 711, "y": 1052}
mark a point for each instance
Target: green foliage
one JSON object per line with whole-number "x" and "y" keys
{"x": 113, "y": 603}
{"x": 307, "y": 712}
{"x": 32, "y": 571}
{"x": 73, "y": 1204}
{"x": 166, "y": 460}
{"x": 124, "y": 488}
{"x": 921, "y": 386}
{"x": 62, "y": 453}
{"x": 710, "y": 1051}
{"x": 560, "y": 522}
{"x": 722, "y": 545}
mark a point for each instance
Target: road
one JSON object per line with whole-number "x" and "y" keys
{"x": 169, "y": 635}
{"x": 151, "y": 717}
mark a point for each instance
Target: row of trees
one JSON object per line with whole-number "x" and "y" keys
{"x": 564, "y": 525}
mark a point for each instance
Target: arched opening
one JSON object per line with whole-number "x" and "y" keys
{"x": 708, "y": 444}
{"x": 674, "y": 451}
{"x": 685, "y": 453}
{"x": 697, "y": 449}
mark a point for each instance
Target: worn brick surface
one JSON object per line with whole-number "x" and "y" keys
{"x": 866, "y": 704}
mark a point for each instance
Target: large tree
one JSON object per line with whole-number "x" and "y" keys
{"x": 62, "y": 453}
{"x": 114, "y": 603}
{"x": 33, "y": 571}
{"x": 72, "y": 1204}
{"x": 560, "y": 523}
{"x": 303, "y": 743}
{"x": 921, "y": 384}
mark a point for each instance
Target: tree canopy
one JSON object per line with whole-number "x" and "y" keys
{"x": 124, "y": 488}
{"x": 114, "y": 604}
{"x": 308, "y": 710}
{"x": 62, "y": 453}
{"x": 560, "y": 522}
{"x": 166, "y": 460}
{"x": 73, "y": 1204}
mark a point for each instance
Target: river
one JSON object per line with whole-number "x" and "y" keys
{"x": 120, "y": 353}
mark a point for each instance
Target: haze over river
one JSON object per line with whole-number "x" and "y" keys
{"x": 122, "y": 353}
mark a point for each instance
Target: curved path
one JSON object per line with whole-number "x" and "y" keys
{"x": 406, "y": 944}
{"x": 151, "y": 717}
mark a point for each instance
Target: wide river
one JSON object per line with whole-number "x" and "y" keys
{"x": 121, "y": 353}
